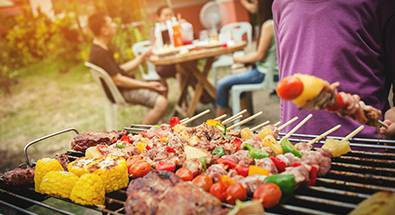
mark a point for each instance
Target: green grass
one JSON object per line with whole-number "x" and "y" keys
{"x": 46, "y": 100}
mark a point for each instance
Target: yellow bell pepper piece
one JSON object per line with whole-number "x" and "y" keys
{"x": 269, "y": 141}
{"x": 312, "y": 86}
{"x": 256, "y": 170}
{"x": 164, "y": 139}
{"x": 266, "y": 131}
{"x": 227, "y": 180}
{"x": 336, "y": 147}
{"x": 212, "y": 122}
{"x": 141, "y": 146}
{"x": 246, "y": 134}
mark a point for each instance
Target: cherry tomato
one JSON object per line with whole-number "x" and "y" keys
{"x": 164, "y": 166}
{"x": 125, "y": 138}
{"x": 289, "y": 88}
{"x": 185, "y": 174}
{"x": 173, "y": 121}
{"x": 132, "y": 160}
{"x": 269, "y": 194}
{"x": 218, "y": 190}
{"x": 140, "y": 169}
{"x": 203, "y": 181}
{"x": 234, "y": 192}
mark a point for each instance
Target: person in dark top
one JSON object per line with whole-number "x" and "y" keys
{"x": 144, "y": 93}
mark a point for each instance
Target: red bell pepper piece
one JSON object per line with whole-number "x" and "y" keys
{"x": 125, "y": 138}
{"x": 241, "y": 170}
{"x": 280, "y": 165}
{"x": 237, "y": 141}
{"x": 313, "y": 175}
{"x": 173, "y": 121}
{"x": 170, "y": 149}
{"x": 296, "y": 164}
{"x": 166, "y": 166}
{"x": 147, "y": 147}
{"x": 338, "y": 105}
{"x": 227, "y": 162}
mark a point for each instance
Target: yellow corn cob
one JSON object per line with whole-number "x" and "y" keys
{"x": 81, "y": 165}
{"x": 114, "y": 173}
{"x": 88, "y": 190}
{"x": 58, "y": 183}
{"x": 43, "y": 166}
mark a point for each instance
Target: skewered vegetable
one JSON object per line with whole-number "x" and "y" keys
{"x": 269, "y": 141}
{"x": 286, "y": 182}
{"x": 44, "y": 166}
{"x": 336, "y": 147}
{"x": 59, "y": 183}
{"x": 203, "y": 181}
{"x": 235, "y": 192}
{"x": 139, "y": 168}
{"x": 219, "y": 151}
{"x": 256, "y": 170}
{"x": 248, "y": 207}
{"x": 185, "y": 174}
{"x": 88, "y": 190}
{"x": 268, "y": 194}
{"x": 289, "y": 147}
{"x": 219, "y": 190}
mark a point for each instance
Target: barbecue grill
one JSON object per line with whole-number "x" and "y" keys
{"x": 368, "y": 168}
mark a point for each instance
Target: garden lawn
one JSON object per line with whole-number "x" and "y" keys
{"x": 46, "y": 100}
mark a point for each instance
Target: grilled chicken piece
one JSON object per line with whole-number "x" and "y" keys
{"x": 144, "y": 194}
{"x": 188, "y": 199}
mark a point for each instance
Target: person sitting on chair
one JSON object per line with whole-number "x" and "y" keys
{"x": 144, "y": 93}
{"x": 264, "y": 58}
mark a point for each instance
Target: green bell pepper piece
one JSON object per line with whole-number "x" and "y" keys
{"x": 220, "y": 151}
{"x": 286, "y": 182}
{"x": 257, "y": 154}
{"x": 289, "y": 147}
{"x": 203, "y": 161}
{"x": 247, "y": 146}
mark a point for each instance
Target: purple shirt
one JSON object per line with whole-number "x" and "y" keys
{"x": 350, "y": 41}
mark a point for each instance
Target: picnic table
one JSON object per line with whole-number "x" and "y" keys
{"x": 185, "y": 63}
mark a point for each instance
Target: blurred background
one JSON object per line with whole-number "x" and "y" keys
{"x": 44, "y": 86}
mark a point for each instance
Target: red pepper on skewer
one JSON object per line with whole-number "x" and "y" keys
{"x": 296, "y": 164}
{"x": 280, "y": 165}
{"x": 237, "y": 141}
{"x": 125, "y": 138}
{"x": 338, "y": 105}
{"x": 313, "y": 175}
{"x": 173, "y": 121}
{"x": 166, "y": 166}
{"x": 227, "y": 162}
{"x": 241, "y": 170}
{"x": 147, "y": 147}
{"x": 170, "y": 149}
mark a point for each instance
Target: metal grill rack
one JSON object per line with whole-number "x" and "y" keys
{"x": 368, "y": 168}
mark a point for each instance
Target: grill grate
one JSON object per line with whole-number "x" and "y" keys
{"x": 352, "y": 178}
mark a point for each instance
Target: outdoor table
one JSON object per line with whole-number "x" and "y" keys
{"x": 186, "y": 66}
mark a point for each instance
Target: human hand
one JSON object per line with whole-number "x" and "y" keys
{"x": 390, "y": 130}
{"x": 147, "y": 53}
{"x": 156, "y": 86}
{"x": 237, "y": 59}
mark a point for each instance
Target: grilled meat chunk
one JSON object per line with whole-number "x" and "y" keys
{"x": 188, "y": 199}
{"x": 19, "y": 176}
{"x": 144, "y": 194}
{"x": 85, "y": 140}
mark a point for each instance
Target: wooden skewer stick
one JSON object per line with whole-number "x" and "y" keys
{"x": 260, "y": 125}
{"x": 353, "y": 133}
{"x": 235, "y": 117}
{"x": 382, "y": 124}
{"x": 299, "y": 125}
{"x": 183, "y": 120}
{"x": 277, "y": 123}
{"x": 220, "y": 117}
{"x": 245, "y": 120}
{"x": 323, "y": 135}
{"x": 281, "y": 127}
{"x": 196, "y": 116}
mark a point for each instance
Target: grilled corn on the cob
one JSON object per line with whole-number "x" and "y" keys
{"x": 88, "y": 190}
{"x": 58, "y": 183}
{"x": 43, "y": 166}
{"x": 113, "y": 170}
{"x": 114, "y": 173}
{"x": 81, "y": 165}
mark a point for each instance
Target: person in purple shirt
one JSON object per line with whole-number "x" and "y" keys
{"x": 346, "y": 41}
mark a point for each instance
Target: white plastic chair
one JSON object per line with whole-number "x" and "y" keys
{"x": 236, "y": 90}
{"x": 236, "y": 30}
{"x": 138, "y": 49}
{"x": 101, "y": 77}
